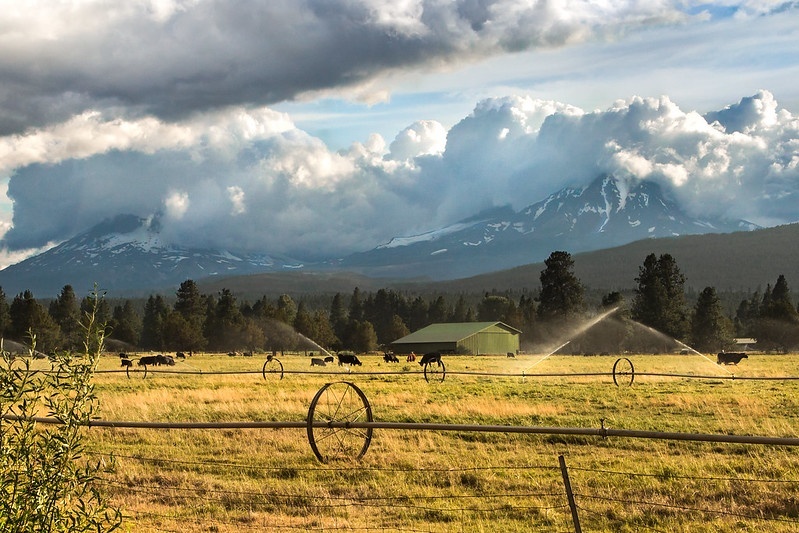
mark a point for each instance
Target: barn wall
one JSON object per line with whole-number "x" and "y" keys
{"x": 490, "y": 341}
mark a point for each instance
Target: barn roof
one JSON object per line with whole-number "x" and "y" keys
{"x": 451, "y": 332}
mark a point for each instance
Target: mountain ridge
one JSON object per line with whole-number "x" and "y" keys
{"x": 126, "y": 254}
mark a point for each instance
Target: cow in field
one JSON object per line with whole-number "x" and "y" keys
{"x": 315, "y": 361}
{"x": 389, "y": 357}
{"x": 730, "y": 358}
{"x": 148, "y": 360}
{"x": 329, "y": 359}
{"x": 348, "y": 359}
{"x": 126, "y": 362}
{"x": 167, "y": 360}
{"x": 432, "y": 357}
{"x": 411, "y": 357}
{"x": 511, "y": 354}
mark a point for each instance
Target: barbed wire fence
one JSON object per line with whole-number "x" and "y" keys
{"x": 548, "y": 510}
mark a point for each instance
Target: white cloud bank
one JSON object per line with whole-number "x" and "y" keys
{"x": 257, "y": 181}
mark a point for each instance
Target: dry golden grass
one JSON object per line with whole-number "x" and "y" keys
{"x": 182, "y": 480}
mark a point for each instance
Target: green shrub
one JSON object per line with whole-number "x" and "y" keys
{"x": 46, "y": 482}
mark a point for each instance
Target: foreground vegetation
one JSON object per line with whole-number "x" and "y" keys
{"x": 182, "y": 480}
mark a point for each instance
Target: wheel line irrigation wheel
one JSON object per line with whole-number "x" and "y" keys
{"x": 435, "y": 371}
{"x": 623, "y": 372}
{"x": 273, "y": 368}
{"x": 335, "y": 406}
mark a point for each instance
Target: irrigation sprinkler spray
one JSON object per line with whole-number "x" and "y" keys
{"x": 697, "y": 352}
{"x": 578, "y": 331}
{"x": 550, "y": 353}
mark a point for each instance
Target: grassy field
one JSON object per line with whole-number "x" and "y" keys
{"x": 224, "y": 480}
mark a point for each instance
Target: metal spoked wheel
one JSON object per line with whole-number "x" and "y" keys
{"x": 335, "y": 406}
{"x": 435, "y": 370}
{"x": 623, "y": 372}
{"x": 129, "y": 371}
{"x": 273, "y": 369}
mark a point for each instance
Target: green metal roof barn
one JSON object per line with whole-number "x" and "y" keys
{"x": 469, "y": 338}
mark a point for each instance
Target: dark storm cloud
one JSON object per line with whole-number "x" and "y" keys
{"x": 174, "y": 58}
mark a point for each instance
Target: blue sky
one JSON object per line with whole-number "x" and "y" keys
{"x": 317, "y": 127}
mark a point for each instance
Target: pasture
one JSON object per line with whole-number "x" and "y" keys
{"x": 225, "y": 480}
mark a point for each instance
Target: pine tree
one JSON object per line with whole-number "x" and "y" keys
{"x": 126, "y": 324}
{"x": 777, "y": 326}
{"x": 188, "y": 333}
{"x": 29, "y": 316}
{"x": 355, "y": 311}
{"x": 461, "y": 311}
{"x": 493, "y": 308}
{"x": 66, "y": 313}
{"x": 711, "y": 330}
{"x": 338, "y": 316}
{"x": 660, "y": 297}
{"x": 286, "y": 309}
{"x": 155, "y": 313}
{"x": 561, "y": 295}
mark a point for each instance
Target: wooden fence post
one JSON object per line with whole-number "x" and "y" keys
{"x": 569, "y": 494}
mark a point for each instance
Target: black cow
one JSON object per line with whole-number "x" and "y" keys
{"x": 316, "y": 361}
{"x": 126, "y": 362}
{"x": 731, "y": 358}
{"x": 432, "y": 357}
{"x": 389, "y": 357}
{"x": 161, "y": 359}
{"x": 348, "y": 359}
{"x": 180, "y": 355}
{"x": 329, "y": 359}
{"x": 148, "y": 360}
{"x": 511, "y": 354}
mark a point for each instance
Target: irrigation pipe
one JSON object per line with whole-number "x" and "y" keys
{"x": 603, "y": 431}
{"x": 731, "y": 377}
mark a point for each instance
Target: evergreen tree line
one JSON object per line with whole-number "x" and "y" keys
{"x": 363, "y": 322}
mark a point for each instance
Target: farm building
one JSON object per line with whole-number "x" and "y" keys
{"x": 468, "y": 338}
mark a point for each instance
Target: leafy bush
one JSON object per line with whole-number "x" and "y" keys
{"x": 46, "y": 482}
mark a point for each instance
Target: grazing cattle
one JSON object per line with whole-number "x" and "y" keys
{"x": 348, "y": 359}
{"x": 731, "y": 358}
{"x": 148, "y": 360}
{"x": 432, "y": 357}
{"x": 329, "y": 359}
{"x": 411, "y": 357}
{"x": 315, "y": 361}
{"x": 123, "y": 355}
{"x": 180, "y": 355}
{"x": 247, "y": 354}
{"x": 126, "y": 362}
{"x": 161, "y": 359}
{"x": 511, "y": 354}
{"x": 389, "y": 357}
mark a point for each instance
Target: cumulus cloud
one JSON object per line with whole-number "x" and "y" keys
{"x": 172, "y": 58}
{"x": 265, "y": 185}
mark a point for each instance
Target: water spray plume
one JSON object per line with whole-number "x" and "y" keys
{"x": 550, "y": 353}
{"x": 578, "y": 331}
{"x": 314, "y": 343}
{"x": 697, "y": 352}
